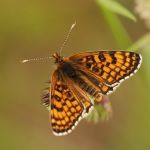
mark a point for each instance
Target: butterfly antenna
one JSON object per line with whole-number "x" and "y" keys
{"x": 35, "y": 59}
{"x": 66, "y": 39}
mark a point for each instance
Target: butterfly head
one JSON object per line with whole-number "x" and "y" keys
{"x": 58, "y": 58}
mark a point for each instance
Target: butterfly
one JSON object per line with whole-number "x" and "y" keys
{"x": 82, "y": 79}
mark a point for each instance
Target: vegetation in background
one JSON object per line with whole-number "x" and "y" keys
{"x": 111, "y": 9}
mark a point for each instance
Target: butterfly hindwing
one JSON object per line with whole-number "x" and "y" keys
{"x": 109, "y": 67}
{"x": 66, "y": 109}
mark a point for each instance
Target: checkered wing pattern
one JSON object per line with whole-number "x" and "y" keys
{"x": 110, "y": 68}
{"x": 66, "y": 109}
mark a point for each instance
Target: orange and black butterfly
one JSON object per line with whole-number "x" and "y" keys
{"x": 82, "y": 79}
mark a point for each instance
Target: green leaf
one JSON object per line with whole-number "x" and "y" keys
{"x": 117, "y": 8}
{"x": 143, "y": 42}
{"x": 119, "y": 32}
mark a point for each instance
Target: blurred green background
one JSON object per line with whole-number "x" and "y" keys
{"x": 31, "y": 29}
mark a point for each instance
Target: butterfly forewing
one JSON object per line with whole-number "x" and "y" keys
{"x": 66, "y": 109}
{"x": 109, "y": 67}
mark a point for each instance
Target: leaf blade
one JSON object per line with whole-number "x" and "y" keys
{"x": 117, "y": 8}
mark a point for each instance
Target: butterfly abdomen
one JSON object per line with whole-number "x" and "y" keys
{"x": 77, "y": 77}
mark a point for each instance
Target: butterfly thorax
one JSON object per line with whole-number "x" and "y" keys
{"x": 64, "y": 65}
{"x": 68, "y": 69}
